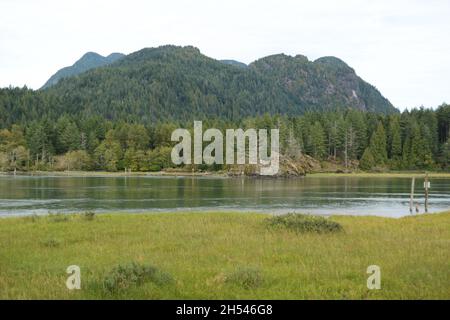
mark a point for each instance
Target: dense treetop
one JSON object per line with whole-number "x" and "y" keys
{"x": 352, "y": 139}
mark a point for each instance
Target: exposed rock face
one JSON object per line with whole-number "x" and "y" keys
{"x": 298, "y": 166}
{"x": 289, "y": 167}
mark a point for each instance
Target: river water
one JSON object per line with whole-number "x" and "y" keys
{"x": 26, "y": 195}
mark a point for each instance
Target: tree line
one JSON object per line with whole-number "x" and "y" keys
{"x": 417, "y": 139}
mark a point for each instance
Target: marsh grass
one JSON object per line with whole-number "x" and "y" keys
{"x": 58, "y": 217}
{"x": 31, "y": 218}
{"x": 62, "y": 217}
{"x": 51, "y": 243}
{"x": 206, "y": 255}
{"x": 245, "y": 277}
{"x": 302, "y": 223}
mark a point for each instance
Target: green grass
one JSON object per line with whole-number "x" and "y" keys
{"x": 223, "y": 256}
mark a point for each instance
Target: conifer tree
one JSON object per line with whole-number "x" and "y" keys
{"x": 395, "y": 142}
{"x": 378, "y": 145}
{"x": 367, "y": 161}
{"x": 318, "y": 141}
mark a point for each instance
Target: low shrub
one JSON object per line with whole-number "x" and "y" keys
{"x": 154, "y": 168}
{"x": 133, "y": 274}
{"x": 247, "y": 278}
{"x": 58, "y": 217}
{"x": 304, "y": 223}
{"x": 89, "y": 215}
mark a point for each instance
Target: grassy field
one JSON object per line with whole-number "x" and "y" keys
{"x": 225, "y": 256}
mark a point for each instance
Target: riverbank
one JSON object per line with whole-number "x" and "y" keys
{"x": 116, "y": 174}
{"x": 398, "y": 174}
{"x": 200, "y": 252}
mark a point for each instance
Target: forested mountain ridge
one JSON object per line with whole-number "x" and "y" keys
{"x": 89, "y": 60}
{"x": 180, "y": 83}
{"x": 121, "y": 116}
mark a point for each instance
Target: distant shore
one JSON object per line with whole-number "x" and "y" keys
{"x": 221, "y": 174}
{"x": 116, "y": 174}
{"x": 398, "y": 174}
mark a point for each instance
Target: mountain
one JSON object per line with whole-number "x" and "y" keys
{"x": 89, "y": 60}
{"x": 180, "y": 83}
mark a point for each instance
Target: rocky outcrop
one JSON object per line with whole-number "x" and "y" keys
{"x": 289, "y": 167}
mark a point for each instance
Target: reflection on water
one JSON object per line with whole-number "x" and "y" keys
{"x": 23, "y": 195}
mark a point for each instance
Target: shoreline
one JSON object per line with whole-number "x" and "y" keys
{"x": 395, "y": 174}
{"x": 113, "y": 174}
{"x": 195, "y": 211}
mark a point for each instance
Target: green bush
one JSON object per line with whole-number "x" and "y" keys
{"x": 304, "y": 223}
{"x": 367, "y": 161}
{"x": 89, "y": 215}
{"x": 154, "y": 168}
{"x": 134, "y": 274}
{"x": 247, "y": 278}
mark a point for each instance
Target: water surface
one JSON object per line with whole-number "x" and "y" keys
{"x": 26, "y": 195}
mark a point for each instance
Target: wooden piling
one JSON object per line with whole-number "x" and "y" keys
{"x": 411, "y": 199}
{"x": 426, "y": 192}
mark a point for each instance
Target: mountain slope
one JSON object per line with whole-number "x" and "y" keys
{"x": 89, "y": 60}
{"x": 328, "y": 81}
{"x": 234, "y": 63}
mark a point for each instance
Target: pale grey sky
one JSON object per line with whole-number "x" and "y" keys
{"x": 402, "y": 47}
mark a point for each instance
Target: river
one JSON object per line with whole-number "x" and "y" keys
{"x": 382, "y": 196}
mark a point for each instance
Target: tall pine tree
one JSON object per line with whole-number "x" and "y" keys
{"x": 378, "y": 145}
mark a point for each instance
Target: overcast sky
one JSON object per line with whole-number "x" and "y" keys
{"x": 401, "y": 47}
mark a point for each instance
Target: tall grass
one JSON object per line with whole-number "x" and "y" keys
{"x": 223, "y": 256}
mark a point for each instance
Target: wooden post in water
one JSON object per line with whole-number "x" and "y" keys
{"x": 411, "y": 199}
{"x": 426, "y": 185}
